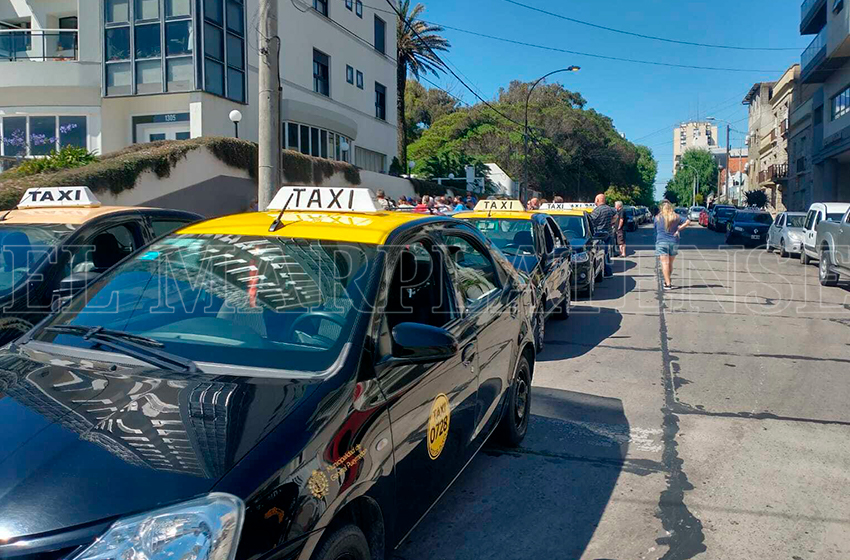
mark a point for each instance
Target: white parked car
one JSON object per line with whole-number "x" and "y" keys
{"x": 694, "y": 212}
{"x": 819, "y": 211}
{"x": 786, "y": 233}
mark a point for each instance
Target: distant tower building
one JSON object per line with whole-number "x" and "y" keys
{"x": 691, "y": 135}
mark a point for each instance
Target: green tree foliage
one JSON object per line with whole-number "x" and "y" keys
{"x": 701, "y": 163}
{"x": 756, "y": 198}
{"x": 671, "y": 195}
{"x": 627, "y": 195}
{"x": 575, "y": 152}
{"x": 68, "y": 157}
{"x": 424, "y": 106}
{"x": 417, "y": 44}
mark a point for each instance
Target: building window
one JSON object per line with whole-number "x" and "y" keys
{"x": 40, "y": 134}
{"x": 360, "y": 79}
{"x": 370, "y": 160}
{"x": 321, "y": 6}
{"x": 349, "y": 4}
{"x": 380, "y": 101}
{"x": 349, "y": 74}
{"x": 315, "y": 141}
{"x": 321, "y": 73}
{"x": 380, "y": 35}
{"x": 224, "y": 48}
{"x": 841, "y": 104}
{"x": 358, "y": 8}
{"x": 152, "y": 25}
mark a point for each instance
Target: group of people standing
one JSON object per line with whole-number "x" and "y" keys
{"x": 427, "y": 204}
{"x": 668, "y": 228}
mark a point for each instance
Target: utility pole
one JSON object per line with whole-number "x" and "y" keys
{"x": 728, "y": 157}
{"x": 269, "y": 106}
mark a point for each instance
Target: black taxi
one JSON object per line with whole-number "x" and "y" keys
{"x": 588, "y": 247}
{"x": 59, "y": 238}
{"x": 535, "y": 245}
{"x": 303, "y": 382}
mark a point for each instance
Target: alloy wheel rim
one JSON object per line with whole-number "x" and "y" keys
{"x": 521, "y": 399}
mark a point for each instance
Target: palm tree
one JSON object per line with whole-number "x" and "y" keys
{"x": 418, "y": 43}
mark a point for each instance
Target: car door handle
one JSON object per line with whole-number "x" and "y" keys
{"x": 468, "y": 354}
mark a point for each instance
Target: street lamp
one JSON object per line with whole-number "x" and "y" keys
{"x": 235, "y": 117}
{"x": 525, "y": 148}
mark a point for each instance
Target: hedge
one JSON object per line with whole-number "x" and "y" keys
{"x": 118, "y": 171}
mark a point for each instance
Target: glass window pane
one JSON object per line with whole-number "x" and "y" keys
{"x": 118, "y": 43}
{"x": 323, "y": 143}
{"x": 148, "y": 41}
{"x": 213, "y": 42}
{"x": 213, "y": 77}
{"x": 147, "y": 9}
{"x": 72, "y": 131}
{"x": 42, "y": 135}
{"x": 117, "y": 10}
{"x": 177, "y": 8}
{"x": 292, "y": 136}
{"x": 305, "y": 139}
{"x": 235, "y": 85}
{"x": 178, "y": 37}
{"x": 149, "y": 76}
{"x": 15, "y": 136}
{"x": 380, "y": 34}
{"x": 314, "y": 138}
{"x": 234, "y": 17}
{"x": 182, "y": 135}
{"x": 212, "y": 10}
{"x": 235, "y": 56}
{"x": 118, "y": 79}
{"x": 178, "y": 73}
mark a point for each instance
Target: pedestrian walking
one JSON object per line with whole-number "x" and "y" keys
{"x": 619, "y": 228}
{"x": 668, "y": 227}
{"x": 602, "y": 218}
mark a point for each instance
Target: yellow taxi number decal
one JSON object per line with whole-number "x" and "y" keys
{"x": 438, "y": 425}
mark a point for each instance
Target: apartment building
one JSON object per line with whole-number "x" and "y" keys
{"x": 820, "y": 119}
{"x": 690, "y": 135}
{"x": 104, "y": 74}
{"x": 759, "y": 125}
{"x": 732, "y": 169}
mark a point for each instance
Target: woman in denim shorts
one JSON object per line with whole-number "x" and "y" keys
{"x": 668, "y": 226}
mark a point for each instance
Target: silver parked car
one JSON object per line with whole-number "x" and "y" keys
{"x": 786, "y": 233}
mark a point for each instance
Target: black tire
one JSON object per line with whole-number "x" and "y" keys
{"x": 346, "y": 543}
{"x": 825, "y": 274}
{"x": 588, "y": 292}
{"x": 514, "y": 424}
{"x": 600, "y": 276}
{"x": 782, "y": 252}
{"x": 562, "y": 313}
{"x": 804, "y": 258}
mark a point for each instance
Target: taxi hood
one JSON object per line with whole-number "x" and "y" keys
{"x": 81, "y": 443}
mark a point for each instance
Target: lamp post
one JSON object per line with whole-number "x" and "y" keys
{"x": 235, "y": 117}
{"x": 524, "y": 190}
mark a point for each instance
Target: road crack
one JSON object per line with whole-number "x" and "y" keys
{"x": 685, "y": 535}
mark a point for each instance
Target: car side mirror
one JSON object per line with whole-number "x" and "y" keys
{"x": 70, "y": 286}
{"x": 416, "y": 343}
{"x": 562, "y": 252}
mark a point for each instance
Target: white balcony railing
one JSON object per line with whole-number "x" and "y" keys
{"x": 38, "y": 44}
{"x": 817, "y": 45}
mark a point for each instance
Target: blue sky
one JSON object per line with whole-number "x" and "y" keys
{"x": 641, "y": 99}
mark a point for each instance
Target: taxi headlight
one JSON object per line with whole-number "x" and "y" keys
{"x": 581, "y": 257}
{"x": 205, "y": 528}
{"x": 737, "y": 228}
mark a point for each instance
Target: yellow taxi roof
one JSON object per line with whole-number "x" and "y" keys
{"x": 494, "y": 214}
{"x": 75, "y": 216}
{"x": 571, "y": 212}
{"x": 365, "y": 227}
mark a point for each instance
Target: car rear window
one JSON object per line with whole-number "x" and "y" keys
{"x": 753, "y": 217}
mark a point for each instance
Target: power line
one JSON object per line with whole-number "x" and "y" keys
{"x": 604, "y": 57}
{"x": 651, "y": 37}
{"x": 666, "y": 128}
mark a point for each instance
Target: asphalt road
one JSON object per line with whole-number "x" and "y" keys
{"x": 710, "y": 422}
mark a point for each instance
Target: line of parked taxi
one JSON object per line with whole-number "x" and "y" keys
{"x": 299, "y": 383}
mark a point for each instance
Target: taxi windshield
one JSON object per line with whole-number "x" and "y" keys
{"x": 235, "y": 300}
{"x": 571, "y": 226}
{"x": 512, "y": 237}
{"x": 23, "y": 246}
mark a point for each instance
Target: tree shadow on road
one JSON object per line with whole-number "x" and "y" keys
{"x": 587, "y": 328}
{"x": 542, "y": 500}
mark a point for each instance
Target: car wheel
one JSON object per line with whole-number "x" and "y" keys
{"x": 588, "y": 292}
{"x": 563, "y": 311}
{"x": 514, "y": 424}
{"x": 539, "y": 331}
{"x": 825, "y": 274}
{"x": 346, "y": 543}
{"x": 804, "y": 258}
{"x": 782, "y": 252}
{"x": 767, "y": 246}
{"x": 600, "y": 276}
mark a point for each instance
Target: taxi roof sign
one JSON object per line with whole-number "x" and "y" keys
{"x": 499, "y": 206}
{"x": 325, "y": 199}
{"x": 59, "y": 197}
{"x": 566, "y": 205}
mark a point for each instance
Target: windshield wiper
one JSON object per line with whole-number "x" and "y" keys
{"x": 133, "y": 345}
